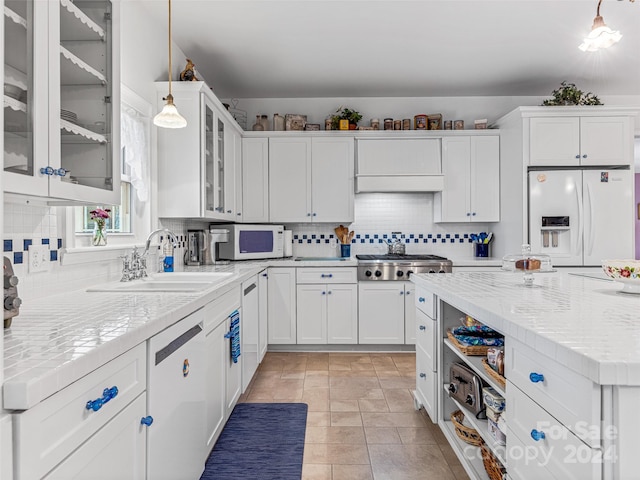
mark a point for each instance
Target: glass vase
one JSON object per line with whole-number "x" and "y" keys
{"x": 99, "y": 237}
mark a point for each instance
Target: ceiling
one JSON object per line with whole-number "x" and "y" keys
{"x": 396, "y": 48}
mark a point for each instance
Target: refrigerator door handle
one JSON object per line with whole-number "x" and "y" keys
{"x": 576, "y": 248}
{"x": 590, "y": 236}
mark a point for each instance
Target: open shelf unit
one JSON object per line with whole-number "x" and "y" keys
{"x": 473, "y": 464}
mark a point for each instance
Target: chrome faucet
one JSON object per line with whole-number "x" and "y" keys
{"x": 134, "y": 266}
{"x": 169, "y": 233}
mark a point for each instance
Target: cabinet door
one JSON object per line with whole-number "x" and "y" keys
{"x": 229, "y": 172}
{"x": 426, "y": 339}
{"x": 426, "y": 382}
{"x": 209, "y": 148}
{"x": 381, "y": 312}
{"x": 282, "y": 306}
{"x": 237, "y": 172}
{"x": 255, "y": 180}
{"x": 84, "y": 86}
{"x": 249, "y": 327}
{"x": 399, "y": 156}
{"x": 342, "y": 313}
{"x": 485, "y": 179}
{"x": 115, "y": 451}
{"x": 554, "y": 141}
{"x": 453, "y": 204}
{"x": 290, "y": 180}
{"x": 332, "y": 190}
{"x": 263, "y": 285}
{"x": 312, "y": 313}
{"x": 409, "y": 314}
{"x": 215, "y": 357}
{"x": 606, "y": 141}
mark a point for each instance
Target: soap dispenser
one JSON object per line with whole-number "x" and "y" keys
{"x": 167, "y": 250}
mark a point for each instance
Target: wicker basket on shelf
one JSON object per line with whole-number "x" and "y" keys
{"x": 493, "y": 374}
{"x": 471, "y": 350}
{"x": 492, "y": 465}
{"x": 467, "y": 434}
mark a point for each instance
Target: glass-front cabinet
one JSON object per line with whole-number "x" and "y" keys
{"x": 62, "y": 98}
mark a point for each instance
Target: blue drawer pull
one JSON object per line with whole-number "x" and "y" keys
{"x": 537, "y": 435}
{"x": 421, "y": 299}
{"x": 423, "y": 375}
{"x": 146, "y": 420}
{"x": 422, "y": 327}
{"x": 536, "y": 377}
{"x": 326, "y": 275}
{"x": 107, "y": 395}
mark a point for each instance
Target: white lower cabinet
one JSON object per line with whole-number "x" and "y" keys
{"x": 381, "y": 312}
{"x": 263, "y": 314}
{"x": 282, "y": 306}
{"x": 93, "y": 422}
{"x": 327, "y": 313}
{"x": 223, "y": 377}
{"x": 115, "y": 451}
{"x": 250, "y": 330}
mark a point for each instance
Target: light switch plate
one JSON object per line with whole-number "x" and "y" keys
{"x": 38, "y": 258}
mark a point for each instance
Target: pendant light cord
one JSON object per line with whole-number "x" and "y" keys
{"x": 597, "y": 10}
{"x": 170, "y": 48}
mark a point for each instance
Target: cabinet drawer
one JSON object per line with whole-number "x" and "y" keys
{"x": 560, "y": 454}
{"x": 54, "y": 428}
{"x": 426, "y": 302}
{"x": 573, "y": 399}
{"x": 426, "y": 338}
{"x": 426, "y": 381}
{"x": 218, "y": 310}
{"x": 327, "y": 275}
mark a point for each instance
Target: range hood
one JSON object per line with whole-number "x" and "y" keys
{"x": 399, "y": 183}
{"x": 399, "y": 165}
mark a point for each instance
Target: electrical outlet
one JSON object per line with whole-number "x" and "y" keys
{"x": 333, "y": 242}
{"x": 38, "y": 258}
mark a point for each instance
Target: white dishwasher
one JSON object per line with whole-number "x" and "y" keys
{"x": 176, "y": 438}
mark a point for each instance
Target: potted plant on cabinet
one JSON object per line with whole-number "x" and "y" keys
{"x": 352, "y": 116}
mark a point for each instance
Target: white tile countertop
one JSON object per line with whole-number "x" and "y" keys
{"x": 57, "y": 340}
{"x": 582, "y": 321}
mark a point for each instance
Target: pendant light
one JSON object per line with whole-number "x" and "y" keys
{"x": 169, "y": 116}
{"x": 600, "y": 36}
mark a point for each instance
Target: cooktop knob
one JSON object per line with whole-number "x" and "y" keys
{"x": 378, "y": 273}
{"x": 368, "y": 273}
{"x": 409, "y": 272}
{"x": 431, "y": 270}
{"x": 469, "y": 400}
{"x": 400, "y": 273}
{"x": 453, "y": 388}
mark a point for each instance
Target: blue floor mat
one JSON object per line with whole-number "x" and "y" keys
{"x": 261, "y": 441}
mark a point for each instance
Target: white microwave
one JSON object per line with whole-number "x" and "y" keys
{"x": 250, "y": 242}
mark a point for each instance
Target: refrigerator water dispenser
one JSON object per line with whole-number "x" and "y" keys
{"x": 557, "y": 229}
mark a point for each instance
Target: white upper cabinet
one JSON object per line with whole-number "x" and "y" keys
{"x": 255, "y": 180}
{"x": 62, "y": 100}
{"x": 471, "y": 168}
{"x": 198, "y": 164}
{"x": 311, "y": 179}
{"x": 572, "y": 141}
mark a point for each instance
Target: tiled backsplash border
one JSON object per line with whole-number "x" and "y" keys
{"x": 20, "y": 247}
{"x": 382, "y": 237}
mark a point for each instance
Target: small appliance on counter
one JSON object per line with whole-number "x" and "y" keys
{"x": 202, "y": 245}
{"x": 252, "y": 242}
{"x": 11, "y": 300}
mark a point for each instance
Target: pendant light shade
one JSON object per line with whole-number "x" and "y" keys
{"x": 169, "y": 116}
{"x": 600, "y": 36}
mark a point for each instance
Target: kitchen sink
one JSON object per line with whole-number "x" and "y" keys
{"x": 166, "y": 282}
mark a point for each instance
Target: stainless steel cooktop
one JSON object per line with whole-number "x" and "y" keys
{"x": 399, "y": 267}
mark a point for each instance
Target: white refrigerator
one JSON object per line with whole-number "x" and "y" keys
{"x": 581, "y": 217}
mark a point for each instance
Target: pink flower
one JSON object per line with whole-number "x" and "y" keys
{"x": 99, "y": 213}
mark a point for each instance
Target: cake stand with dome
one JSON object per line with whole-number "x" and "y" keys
{"x": 528, "y": 263}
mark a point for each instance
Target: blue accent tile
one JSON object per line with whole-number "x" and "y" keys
{"x": 45, "y": 241}
{"x": 313, "y": 236}
{"x": 429, "y": 236}
{"x": 366, "y": 235}
{"x": 448, "y": 235}
{"x": 461, "y": 240}
{"x": 295, "y": 237}
{"x": 299, "y": 240}
{"x": 17, "y": 257}
{"x": 416, "y": 240}
{"x": 421, "y": 236}
{"x": 402, "y": 235}
{"x": 8, "y": 246}
{"x": 411, "y": 235}
{"x": 466, "y": 235}
{"x": 439, "y": 235}
{"x": 457, "y": 235}
{"x": 27, "y": 242}
{"x": 322, "y": 236}
{"x": 326, "y": 240}
{"x": 304, "y": 237}
{"x": 452, "y": 240}
{"x": 357, "y": 235}
{"x": 376, "y": 236}
{"x": 371, "y": 240}
{"x": 443, "y": 240}
{"x": 385, "y": 236}
{"x": 380, "y": 240}
{"x": 308, "y": 240}
{"x": 53, "y": 255}
{"x": 433, "y": 240}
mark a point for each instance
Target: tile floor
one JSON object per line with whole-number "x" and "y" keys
{"x": 362, "y": 424}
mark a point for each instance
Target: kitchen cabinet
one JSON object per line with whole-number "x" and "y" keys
{"x": 578, "y": 140}
{"x": 327, "y": 307}
{"x": 263, "y": 314}
{"x": 62, "y": 100}
{"x": 197, "y": 165}
{"x": 425, "y": 333}
{"x": 399, "y": 165}
{"x": 381, "y": 312}
{"x": 255, "y": 180}
{"x": 281, "y": 305}
{"x": 409, "y": 314}
{"x": 250, "y": 330}
{"x": 221, "y": 382}
{"x": 471, "y": 168}
{"x": 65, "y": 436}
{"x": 311, "y": 179}
{"x": 176, "y": 400}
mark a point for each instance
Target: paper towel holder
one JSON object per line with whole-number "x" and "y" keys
{"x": 287, "y": 247}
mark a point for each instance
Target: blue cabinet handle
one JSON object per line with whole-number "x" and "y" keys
{"x": 107, "y": 395}
{"x": 537, "y": 435}
{"x": 326, "y": 275}
{"x": 421, "y": 299}
{"x": 46, "y": 170}
{"x": 422, "y": 327}
{"x": 423, "y": 375}
{"x": 61, "y": 172}
{"x": 536, "y": 377}
{"x": 146, "y": 420}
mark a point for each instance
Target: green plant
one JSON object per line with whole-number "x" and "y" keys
{"x": 345, "y": 114}
{"x": 569, "y": 94}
